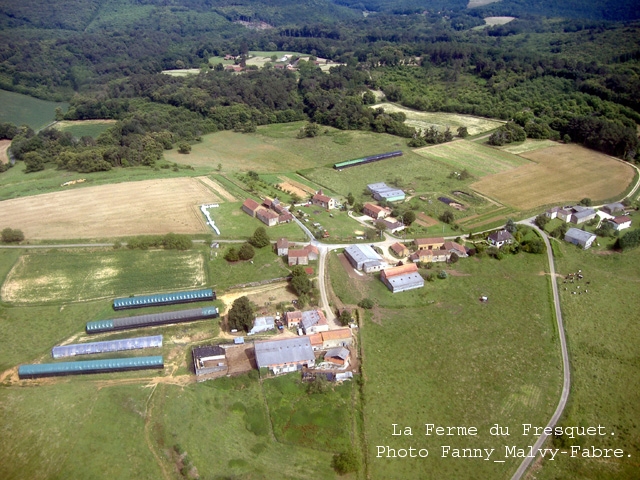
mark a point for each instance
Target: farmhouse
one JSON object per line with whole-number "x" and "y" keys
{"x": 381, "y": 191}
{"x": 282, "y": 247}
{"x": 303, "y": 255}
{"x": 429, "y": 243}
{"x": 364, "y": 257}
{"x": 430, "y": 256}
{"x": 209, "y": 359}
{"x": 552, "y": 212}
{"x": 316, "y": 341}
{"x": 263, "y": 324}
{"x": 579, "y": 237}
{"x": 271, "y": 212}
{"x": 293, "y": 319}
{"x": 250, "y": 207}
{"x": 453, "y": 247}
{"x": 322, "y": 200}
{"x": 340, "y": 337}
{"x": 393, "y": 226}
{"x": 577, "y": 214}
{"x": 620, "y": 223}
{"x": 314, "y": 321}
{"x": 402, "y": 278}
{"x": 399, "y": 249}
{"x": 500, "y": 238}
{"x": 375, "y": 211}
{"x": 286, "y": 355}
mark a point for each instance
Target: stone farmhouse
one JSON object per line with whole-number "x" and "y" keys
{"x": 322, "y": 200}
{"x": 271, "y": 212}
{"x": 375, "y": 211}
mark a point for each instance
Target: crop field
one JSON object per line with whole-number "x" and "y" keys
{"x": 84, "y": 128}
{"x": 121, "y": 209}
{"x": 439, "y": 355}
{"x": 425, "y": 120}
{"x": 71, "y": 276}
{"x": 603, "y": 335}
{"x": 562, "y": 173}
{"x": 479, "y": 160}
{"x": 24, "y": 110}
{"x": 528, "y": 145}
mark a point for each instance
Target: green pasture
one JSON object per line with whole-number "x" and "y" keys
{"x": 24, "y": 110}
{"x": 90, "y": 128}
{"x": 303, "y": 419}
{"x": 340, "y": 226}
{"x": 438, "y": 355}
{"x": 603, "y": 334}
{"x": 529, "y": 145}
{"x": 234, "y": 223}
{"x": 266, "y": 265}
{"x": 477, "y": 159}
{"x": 41, "y": 277}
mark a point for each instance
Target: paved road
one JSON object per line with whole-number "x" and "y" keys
{"x": 566, "y": 384}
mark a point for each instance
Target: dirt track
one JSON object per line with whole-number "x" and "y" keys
{"x": 132, "y": 208}
{"x": 4, "y": 145}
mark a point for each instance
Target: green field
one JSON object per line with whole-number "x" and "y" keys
{"x": 87, "y": 128}
{"x": 603, "y": 335}
{"x": 73, "y": 276}
{"x": 24, "y": 110}
{"x": 438, "y": 355}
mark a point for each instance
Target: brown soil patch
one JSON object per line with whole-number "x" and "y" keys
{"x": 560, "y": 173}
{"x": 217, "y": 188}
{"x": 298, "y": 188}
{"x": 425, "y": 220}
{"x": 347, "y": 266}
{"x": 4, "y": 146}
{"x": 133, "y": 208}
{"x": 241, "y": 359}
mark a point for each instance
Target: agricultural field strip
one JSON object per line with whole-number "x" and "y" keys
{"x": 4, "y": 146}
{"x": 560, "y": 174}
{"x": 160, "y": 206}
{"x": 218, "y": 189}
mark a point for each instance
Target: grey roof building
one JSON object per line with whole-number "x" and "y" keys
{"x": 262, "y": 324}
{"x": 579, "y": 237}
{"x": 363, "y": 257}
{"x": 287, "y": 355}
{"x": 382, "y": 191}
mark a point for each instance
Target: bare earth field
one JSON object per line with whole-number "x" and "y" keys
{"x": 560, "y": 174}
{"x": 132, "y": 208}
{"x": 4, "y": 146}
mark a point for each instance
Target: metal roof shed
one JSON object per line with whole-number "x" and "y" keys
{"x": 107, "y": 346}
{"x": 164, "y": 299}
{"x": 89, "y": 366}
{"x": 152, "y": 319}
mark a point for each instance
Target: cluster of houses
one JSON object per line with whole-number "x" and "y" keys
{"x": 296, "y": 256}
{"x": 578, "y": 215}
{"x": 316, "y": 346}
{"x": 270, "y": 212}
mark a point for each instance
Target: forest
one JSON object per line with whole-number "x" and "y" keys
{"x": 574, "y": 78}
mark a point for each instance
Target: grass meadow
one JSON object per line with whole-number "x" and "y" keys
{"x": 84, "y": 128}
{"x": 72, "y": 276}
{"x": 438, "y": 355}
{"x": 25, "y": 110}
{"x": 603, "y": 334}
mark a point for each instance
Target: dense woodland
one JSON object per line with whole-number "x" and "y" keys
{"x": 575, "y": 78}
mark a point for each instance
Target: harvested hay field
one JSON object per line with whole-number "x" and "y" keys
{"x": 298, "y": 188}
{"x": 4, "y": 146}
{"x": 479, "y": 160}
{"x": 218, "y": 189}
{"x": 122, "y": 209}
{"x": 563, "y": 173}
{"x": 425, "y": 220}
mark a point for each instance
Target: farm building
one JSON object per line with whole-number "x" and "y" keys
{"x": 399, "y": 249}
{"x": 313, "y": 321}
{"x": 579, "y": 237}
{"x": 324, "y": 201}
{"x": 302, "y": 256}
{"x": 577, "y": 214}
{"x": 364, "y": 257}
{"x": 263, "y": 324}
{"x": 500, "y": 238}
{"x": 340, "y": 337}
{"x": 268, "y": 217}
{"x": 552, "y": 212}
{"x": 381, "y": 191}
{"x": 89, "y": 366}
{"x": 453, "y": 247}
{"x": 163, "y": 299}
{"x": 365, "y": 160}
{"x": 107, "y": 346}
{"x": 316, "y": 341}
{"x": 375, "y": 211}
{"x": 338, "y": 356}
{"x": 429, "y": 243}
{"x": 209, "y": 359}
{"x": 613, "y": 208}
{"x": 430, "y": 256}
{"x": 250, "y": 207}
{"x": 620, "y": 223}
{"x": 392, "y": 226}
{"x": 152, "y": 319}
{"x": 286, "y": 355}
{"x": 282, "y": 247}
{"x": 293, "y": 318}
{"x": 402, "y": 278}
